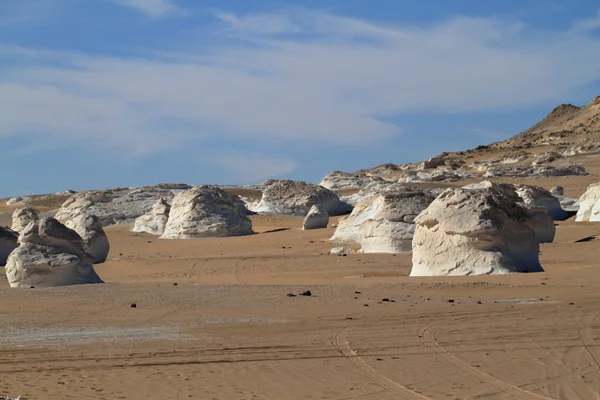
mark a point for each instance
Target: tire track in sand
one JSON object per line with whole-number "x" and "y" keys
{"x": 427, "y": 335}
{"x": 240, "y": 271}
{"x": 195, "y": 271}
{"x": 586, "y": 335}
{"x": 341, "y": 342}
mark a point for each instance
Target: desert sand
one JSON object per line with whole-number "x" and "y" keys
{"x": 211, "y": 318}
{"x": 213, "y": 321}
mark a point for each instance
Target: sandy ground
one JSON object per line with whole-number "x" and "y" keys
{"x": 213, "y": 321}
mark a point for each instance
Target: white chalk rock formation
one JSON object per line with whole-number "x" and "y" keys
{"x": 22, "y": 217}
{"x": 206, "y": 211}
{"x": 530, "y": 196}
{"x": 155, "y": 220}
{"x": 344, "y": 180}
{"x": 94, "y": 238}
{"x": 474, "y": 232}
{"x": 296, "y": 198}
{"x": 18, "y": 200}
{"x": 384, "y": 223}
{"x": 589, "y": 204}
{"x": 317, "y": 218}
{"x": 535, "y": 196}
{"x": 8, "y": 242}
{"x": 557, "y": 191}
{"x": 118, "y": 206}
{"x": 50, "y": 254}
{"x": 544, "y": 222}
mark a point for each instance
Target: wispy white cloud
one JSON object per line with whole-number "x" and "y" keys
{"x": 309, "y": 77}
{"x": 588, "y": 24}
{"x": 154, "y": 8}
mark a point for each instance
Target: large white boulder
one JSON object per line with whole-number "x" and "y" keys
{"x": 8, "y": 242}
{"x": 589, "y": 204}
{"x": 474, "y": 232}
{"x": 118, "y": 206}
{"x": 317, "y": 218}
{"x": 155, "y": 220}
{"x": 296, "y": 198}
{"x": 206, "y": 211}
{"x": 22, "y": 217}
{"x": 94, "y": 238}
{"x": 384, "y": 222}
{"x": 50, "y": 254}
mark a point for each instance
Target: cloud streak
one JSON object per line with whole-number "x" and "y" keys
{"x": 283, "y": 79}
{"x": 154, "y": 8}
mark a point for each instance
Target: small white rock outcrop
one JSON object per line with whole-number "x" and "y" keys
{"x": 22, "y": 217}
{"x": 8, "y": 242}
{"x": 18, "y": 200}
{"x": 296, "y": 198}
{"x": 343, "y": 180}
{"x": 50, "y": 254}
{"x": 535, "y": 196}
{"x": 317, "y": 218}
{"x": 94, "y": 238}
{"x": 384, "y": 222}
{"x": 155, "y": 220}
{"x": 589, "y": 204}
{"x": 206, "y": 211}
{"x": 474, "y": 232}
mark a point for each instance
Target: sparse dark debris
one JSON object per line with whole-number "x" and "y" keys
{"x": 306, "y": 293}
{"x": 479, "y": 302}
{"x": 133, "y": 305}
{"x": 357, "y": 292}
{"x": 451, "y": 301}
{"x": 291, "y": 295}
{"x": 175, "y": 284}
{"x": 385, "y": 299}
{"x": 365, "y": 305}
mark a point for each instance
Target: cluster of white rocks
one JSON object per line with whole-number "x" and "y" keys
{"x": 117, "y": 206}
{"x": 296, "y": 198}
{"x": 22, "y": 217}
{"x": 50, "y": 254}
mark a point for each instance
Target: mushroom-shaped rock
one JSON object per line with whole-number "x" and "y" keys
{"x": 206, "y": 211}
{"x": 474, "y": 232}
{"x": 557, "y": 190}
{"x": 384, "y": 223}
{"x": 589, "y": 204}
{"x": 296, "y": 198}
{"x": 22, "y": 217}
{"x": 49, "y": 254}
{"x": 316, "y": 218}
{"x": 153, "y": 222}
{"x": 95, "y": 241}
{"x": 8, "y": 242}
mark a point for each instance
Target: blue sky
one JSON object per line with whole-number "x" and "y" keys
{"x": 106, "y": 93}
